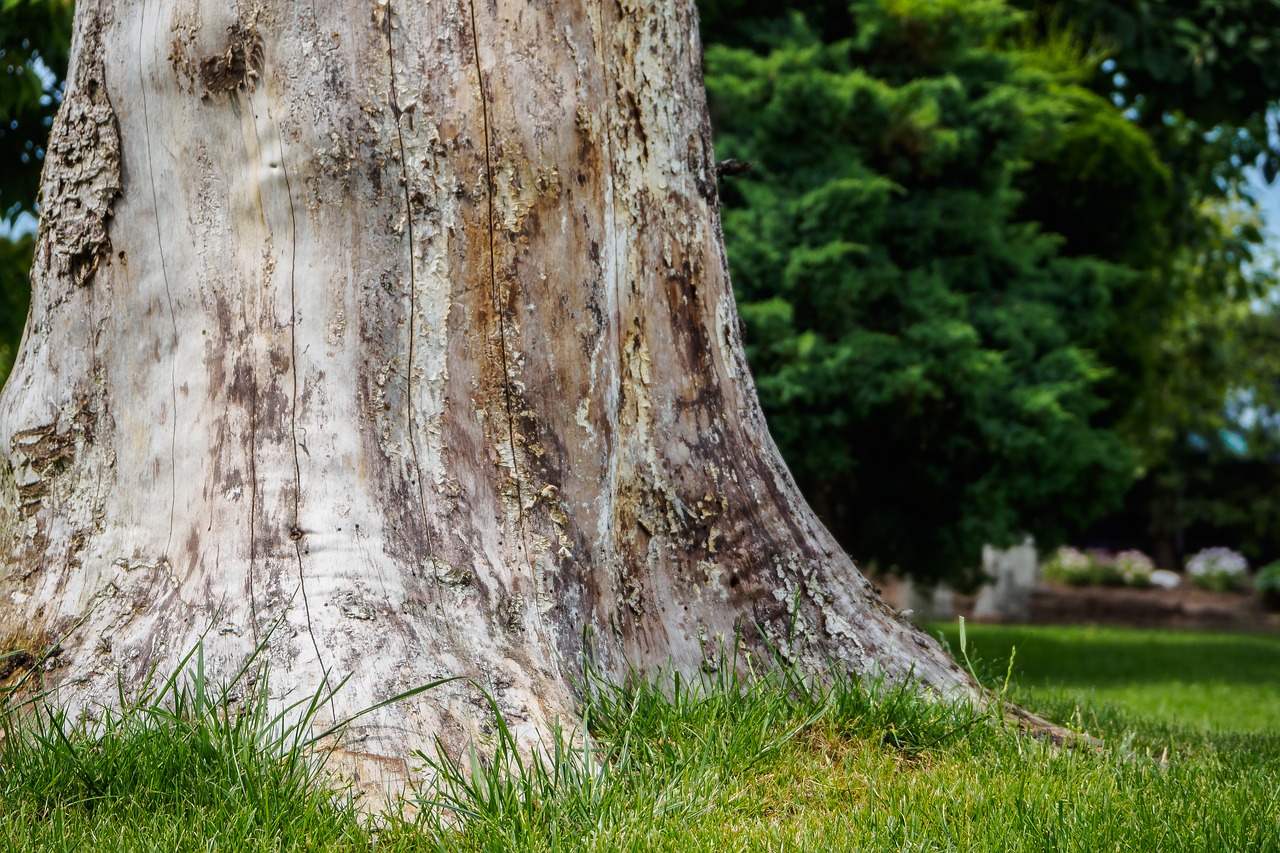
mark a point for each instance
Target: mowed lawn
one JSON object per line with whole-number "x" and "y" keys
{"x": 1190, "y": 760}
{"x": 1189, "y": 680}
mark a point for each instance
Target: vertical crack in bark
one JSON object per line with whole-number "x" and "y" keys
{"x": 296, "y": 532}
{"x": 413, "y": 284}
{"x": 168, "y": 291}
{"x": 496, "y": 293}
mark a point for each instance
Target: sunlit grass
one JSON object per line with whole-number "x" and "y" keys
{"x": 719, "y": 764}
{"x": 186, "y": 767}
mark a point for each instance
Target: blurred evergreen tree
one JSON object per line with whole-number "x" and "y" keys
{"x": 1090, "y": 158}
{"x": 35, "y": 38}
{"x": 926, "y": 356}
{"x": 1201, "y": 80}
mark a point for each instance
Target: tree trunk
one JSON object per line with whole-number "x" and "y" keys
{"x": 406, "y": 329}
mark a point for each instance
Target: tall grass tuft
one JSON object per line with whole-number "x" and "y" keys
{"x": 661, "y": 751}
{"x": 185, "y": 760}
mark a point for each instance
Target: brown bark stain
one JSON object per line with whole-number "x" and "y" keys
{"x": 26, "y": 654}
{"x": 238, "y": 65}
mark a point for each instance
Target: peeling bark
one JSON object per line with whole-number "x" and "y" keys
{"x": 409, "y": 333}
{"x": 82, "y": 172}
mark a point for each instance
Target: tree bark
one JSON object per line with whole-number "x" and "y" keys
{"x": 405, "y": 328}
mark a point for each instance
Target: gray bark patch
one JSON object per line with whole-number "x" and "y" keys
{"x": 354, "y": 606}
{"x": 44, "y": 452}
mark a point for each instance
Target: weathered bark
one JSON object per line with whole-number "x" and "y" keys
{"x": 407, "y": 325}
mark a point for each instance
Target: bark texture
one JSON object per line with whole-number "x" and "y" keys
{"x": 405, "y": 327}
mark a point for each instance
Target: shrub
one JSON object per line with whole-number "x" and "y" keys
{"x": 1135, "y": 568}
{"x": 1097, "y": 567}
{"x": 1267, "y": 583}
{"x": 1104, "y": 571}
{"x": 1070, "y": 566}
{"x": 1218, "y": 569}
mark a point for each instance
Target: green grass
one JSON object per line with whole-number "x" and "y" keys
{"x": 187, "y": 768}
{"x": 721, "y": 765}
{"x": 1187, "y": 679}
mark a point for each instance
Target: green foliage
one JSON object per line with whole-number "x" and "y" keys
{"x": 1196, "y": 79}
{"x": 1204, "y": 418}
{"x": 1098, "y": 182}
{"x": 1219, "y": 582}
{"x": 1218, "y": 569}
{"x": 1211, "y": 338}
{"x": 1202, "y": 396}
{"x": 960, "y": 213}
{"x": 1208, "y": 61}
{"x": 35, "y": 37}
{"x": 1068, "y": 566}
{"x": 1267, "y": 583}
{"x": 925, "y": 358}
{"x": 1135, "y": 568}
{"x": 15, "y": 296}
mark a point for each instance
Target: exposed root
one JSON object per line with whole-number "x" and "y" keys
{"x": 1042, "y": 729}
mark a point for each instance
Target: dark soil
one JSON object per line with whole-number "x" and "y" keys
{"x": 1184, "y": 607}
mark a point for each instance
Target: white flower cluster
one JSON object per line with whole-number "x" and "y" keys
{"x": 1214, "y": 561}
{"x": 1071, "y": 558}
{"x": 1135, "y": 567}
